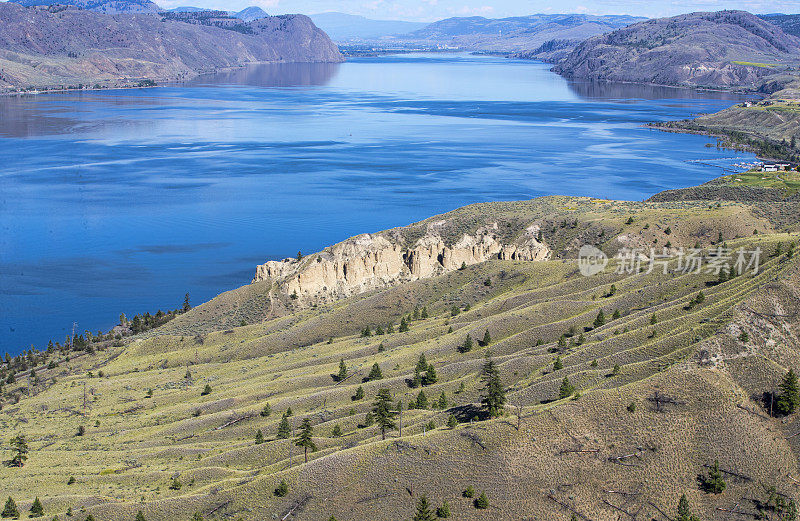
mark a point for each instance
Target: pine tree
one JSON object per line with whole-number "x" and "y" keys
{"x": 422, "y": 364}
{"x": 482, "y": 502}
{"x": 140, "y": 516}
{"x": 305, "y": 439}
{"x": 342, "y": 371}
{"x": 562, "y": 344}
{"x": 494, "y": 396}
{"x": 423, "y": 510}
{"x": 430, "y": 375}
{"x": 487, "y": 339}
{"x": 266, "y": 411}
{"x": 684, "y": 514}
{"x": 176, "y": 484}
{"x": 444, "y": 510}
{"x": 566, "y": 389}
{"x": 600, "y": 320}
{"x": 37, "y": 510}
{"x": 337, "y": 431}
{"x": 284, "y": 429}
{"x": 469, "y": 492}
{"x": 442, "y": 403}
{"x": 403, "y": 325}
{"x": 466, "y": 346}
{"x": 10, "y": 509}
{"x": 206, "y": 390}
{"x": 259, "y": 437}
{"x": 186, "y": 305}
{"x": 282, "y": 489}
{"x": 452, "y": 421}
{"x": 197, "y": 517}
{"x": 557, "y": 365}
{"x": 375, "y": 373}
{"x": 359, "y": 394}
{"x": 424, "y": 313}
{"x": 383, "y": 412}
{"x": 288, "y": 412}
{"x": 19, "y": 451}
{"x": 369, "y": 420}
{"x": 422, "y": 400}
{"x": 789, "y": 398}
{"x": 713, "y": 483}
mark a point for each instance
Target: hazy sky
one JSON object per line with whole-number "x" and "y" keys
{"x": 430, "y": 10}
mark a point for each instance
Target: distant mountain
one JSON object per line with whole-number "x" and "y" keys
{"x": 251, "y": 14}
{"x": 345, "y": 27}
{"x": 516, "y": 34}
{"x": 789, "y": 23}
{"x": 63, "y": 46}
{"x": 100, "y": 6}
{"x": 186, "y": 9}
{"x": 723, "y": 49}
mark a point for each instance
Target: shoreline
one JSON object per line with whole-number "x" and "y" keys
{"x": 151, "y": 83}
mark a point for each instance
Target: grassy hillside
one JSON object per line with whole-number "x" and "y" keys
{"x": 183, "y": 403}
{"x": 769, "y": 127}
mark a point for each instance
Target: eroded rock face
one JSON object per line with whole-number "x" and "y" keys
{"x": 366, "y": 262}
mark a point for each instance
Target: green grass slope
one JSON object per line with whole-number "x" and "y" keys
{"x": 592, "y": 454}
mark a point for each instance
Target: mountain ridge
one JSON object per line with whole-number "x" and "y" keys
{"x": 725, "y": 49}
{"x": 48, "y": 47}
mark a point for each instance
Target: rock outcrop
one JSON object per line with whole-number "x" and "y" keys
{"x": 367, "y": 262}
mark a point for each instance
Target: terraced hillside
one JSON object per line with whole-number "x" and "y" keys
{"x": 166, "y": 422}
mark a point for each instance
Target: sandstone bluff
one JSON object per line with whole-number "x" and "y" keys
{"x": 367, "y": 262}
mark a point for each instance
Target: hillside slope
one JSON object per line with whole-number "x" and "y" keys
{"x": 343, "y": 27}
{"x": 769, "y": 127}
{"x": 100, "y": 6}
{"x": 514, "y": 34}
{"x": 789, "y": 23}
{"x": 57, "y": 46}
{"x": 726, "y": 49}
{"x": 666, "y": 384}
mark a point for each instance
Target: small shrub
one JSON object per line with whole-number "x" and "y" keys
{"x": 282, "y": 489}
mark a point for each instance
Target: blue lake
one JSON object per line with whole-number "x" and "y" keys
{"x": 122, "y": 201}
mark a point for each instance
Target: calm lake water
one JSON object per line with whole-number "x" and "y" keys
{"x": 122, "y": 201}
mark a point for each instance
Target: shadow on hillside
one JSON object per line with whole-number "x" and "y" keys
{"x": 467, "y": 413}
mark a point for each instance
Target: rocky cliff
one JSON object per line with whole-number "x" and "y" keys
{"x": 57, "y": 46}
{"x": 371, "y": 261}
{"x": 723, "y": 49}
